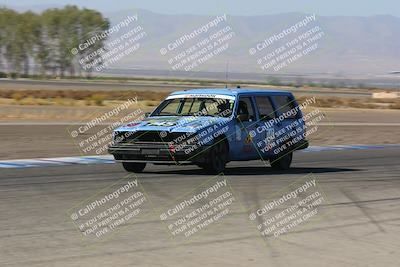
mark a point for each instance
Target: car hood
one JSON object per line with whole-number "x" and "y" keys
{"x": 173, "y": 123}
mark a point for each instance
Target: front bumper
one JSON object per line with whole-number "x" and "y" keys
{"x": 156, "y": 152}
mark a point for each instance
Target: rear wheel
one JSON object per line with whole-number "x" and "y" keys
{"x": 217, "y": 158}
{"x": 281, "y": 162}
{"x": 133, "y": 166}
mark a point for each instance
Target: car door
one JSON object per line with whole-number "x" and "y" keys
{"x": 246, "y": 123}
{"x": 266, "y": 127}
{"x": 285, "y": 104}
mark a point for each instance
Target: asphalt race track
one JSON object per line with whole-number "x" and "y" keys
{"x": 360, "y": 225}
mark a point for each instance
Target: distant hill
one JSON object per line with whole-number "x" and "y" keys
{"x": 351, "y": 45}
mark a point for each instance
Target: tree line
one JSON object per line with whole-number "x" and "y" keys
{"x": 41, "y": 44}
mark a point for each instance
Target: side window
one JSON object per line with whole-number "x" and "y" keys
{"x": 265, "y": 108}
{"x": 285, "y": 104}
{"x": 187, "y": 106}
{"x": 245, "y": 107}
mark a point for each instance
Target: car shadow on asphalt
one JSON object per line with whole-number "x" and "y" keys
{"x": 256, "y": 171}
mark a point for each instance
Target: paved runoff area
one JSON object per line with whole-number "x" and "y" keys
{"x": 335, "y": 207}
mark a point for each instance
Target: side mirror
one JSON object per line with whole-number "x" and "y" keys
{"x": 242, "y": 117}
{"x": 146, "y": 114}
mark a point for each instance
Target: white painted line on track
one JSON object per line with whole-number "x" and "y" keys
{"x": 108, "y": 159}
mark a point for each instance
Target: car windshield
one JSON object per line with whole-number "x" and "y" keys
{"x": 196, "y": 106}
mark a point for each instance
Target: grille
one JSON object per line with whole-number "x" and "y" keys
{"x": 146, "y": 136}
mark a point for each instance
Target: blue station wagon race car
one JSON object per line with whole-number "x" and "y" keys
{"x": 211, "y": 127}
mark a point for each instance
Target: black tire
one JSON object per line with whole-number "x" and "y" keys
{"x": 217, "y": 157}
{"x": 134, "y": 166}
{"x": 281, "y": 162}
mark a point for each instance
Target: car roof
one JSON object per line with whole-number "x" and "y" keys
{"x": 232, "y": 91}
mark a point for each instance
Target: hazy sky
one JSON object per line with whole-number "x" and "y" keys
{"x": 234, "y": 7}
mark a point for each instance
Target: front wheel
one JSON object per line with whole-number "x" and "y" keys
{"x": 134, "y": 166}
{"x": 281, "y": 162}
{"x": 217, "y": 158}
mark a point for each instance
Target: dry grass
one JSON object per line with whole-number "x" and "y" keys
{"x": 395, "y": 106}
{"x": 96, "y": 100}
{"x": 152, "y": 98}
{"x": 82, "y": 94}
{"x": 79, "y": 97}
{"x": 342, "y": 102}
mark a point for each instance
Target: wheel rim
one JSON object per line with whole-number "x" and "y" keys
{"x": 219, "y": 156}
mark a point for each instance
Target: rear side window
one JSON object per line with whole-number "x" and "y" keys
{"x": 246, "y": 107}
{"x": 265, "y": 108}
{"x": 284, "y": 104}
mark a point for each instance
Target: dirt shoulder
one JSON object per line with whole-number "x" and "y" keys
{"x": 44, "y": 131}
{"x": 33, "y": 141}
{"x": 49, "y": 114}
{"x": 42, "y": 128}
